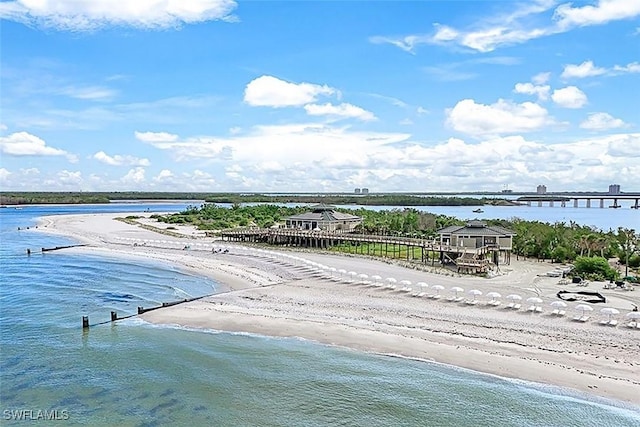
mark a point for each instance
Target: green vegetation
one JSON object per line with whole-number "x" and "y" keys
{"x": 559, "y": 242}
{"x": 379, "y": 249}
{"x": 21, "y": 198}
{"x": 593, "y": 268}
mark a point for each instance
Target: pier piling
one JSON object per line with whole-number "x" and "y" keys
{"x": 114, "y": 316}
{"x": 85, "y": 322}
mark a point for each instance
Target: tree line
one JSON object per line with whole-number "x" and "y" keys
{"x": 558, "y": 242}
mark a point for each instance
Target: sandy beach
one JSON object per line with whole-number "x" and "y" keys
{"x": 279, "y": 292}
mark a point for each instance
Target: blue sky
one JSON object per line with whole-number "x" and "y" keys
{"x": 297, "y": 96}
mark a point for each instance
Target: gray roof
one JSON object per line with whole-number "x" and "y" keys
{"x": 477, "y": 228}
{"x": 325, "y": 215}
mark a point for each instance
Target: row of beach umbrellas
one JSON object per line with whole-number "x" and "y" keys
{"x": 401, "y": 285}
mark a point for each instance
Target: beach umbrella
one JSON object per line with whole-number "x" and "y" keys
{"x": 633, "y": 315}
{"x": 534, "y": 300}
{"x": 558, "y": 304}
{"x": 514, "y": 297}
{"x": 405, "y": 285}
{"x": 363, "y": 277}
{"x": 583, "y": 308}
{"x": 437, "y": 288}
{"x": 391, "y": 282}
{"x": 609, "y": 311}
{"x": 494, "y": 296}
{"x": 456, "y": 289}
{"x": 422, "y": 284}
{"x": 376, "y": 279}
{"x": 475, "y": 293}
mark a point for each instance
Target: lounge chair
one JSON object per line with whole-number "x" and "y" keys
{"x": 556, "y": 312}
{"x": 604, "y": 322}
{"x": 538, "y": 309}
{"x": 494, "y": 303}
{"x": 517, "y": 306}
{"x": 632, "y": 324}
{"x": 532, "y": 308}
{"x": 584, "y": 318}
{"x": 472, "y": 301}
{"x": 562, "y": 313}
{"x": 613, "y": 322}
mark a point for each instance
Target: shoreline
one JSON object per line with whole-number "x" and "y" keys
{"x": 273, "y": 297}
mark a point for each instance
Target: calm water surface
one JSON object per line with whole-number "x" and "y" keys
{"x": 135, "y": 374}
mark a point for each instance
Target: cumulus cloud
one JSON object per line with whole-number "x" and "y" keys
{"x": 569, "y": 97}
{"x": 624, "y": 146}
{"x": 586, "y": 69}
{"x": 89, "y": 15}
{"x": 269, "y": 91}
{"x": 4, "y": 174}
{"x": 601, "y": 12}
{"x": 25, "y": 144}
{"x": 118, "y": 160}
{"x": 134, "y": 176}
{"x": 542, "y": 92}
{"x": 342, "y": 111}
{"x": 601, "y": 121}
{"x": 503, "y": 117}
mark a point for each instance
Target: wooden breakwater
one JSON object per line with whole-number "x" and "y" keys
{"x": 141, "y": 310}
{"x": 56, "y": 248}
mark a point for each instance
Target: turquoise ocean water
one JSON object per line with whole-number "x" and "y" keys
{"x": 134, "y": 374}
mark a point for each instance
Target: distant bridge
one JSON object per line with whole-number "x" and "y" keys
{"x": 574, "y": 198}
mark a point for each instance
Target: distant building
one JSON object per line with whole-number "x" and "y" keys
{"x": 356, "y": 191}
{"x": 541, "y": 189}
{"x": 325, "y": 218}
{"x": 365, "y": 191}
{"x": 614, "y": 189}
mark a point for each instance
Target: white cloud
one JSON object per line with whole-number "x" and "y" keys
{"x": 89, "y": 15}
{"x": 586, "y": 69}
{"x": 525, "y": 21}
{"x": 118, "y": 160}
{"x": 4, "y": 174}
{"x": 624, "y": 146}
{"x": 503, "y": 117}
{"x": 134, "y": 176}
{"x": 633, "y": 67}
{"x": 269, "y": 91}
{"x": 25, "y": 144}
{"x": 155, "y": 137}
{"x": 3, "y": 127}
{"x": 67, "y": 178}
{"x": 89, "y": 93}
{"x": 602, "y": 121}
{"x": 569, "y": 97}
{"x": 541, "y": 78}
{"x": 542, "y": 92}
{"x": 602, "y": 12}
{"x": 344, "y": 111}
{"x": 164, "y": 175}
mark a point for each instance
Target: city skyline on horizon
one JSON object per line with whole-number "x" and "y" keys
{"x": 245, "y": 96}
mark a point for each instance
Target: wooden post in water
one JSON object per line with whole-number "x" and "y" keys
{"x": 139, "y": 310}
{"x": 114, "y": 316}
{"x": 85, "y": 322}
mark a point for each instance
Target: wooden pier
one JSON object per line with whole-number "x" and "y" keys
{"x": 468, "y": 260}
